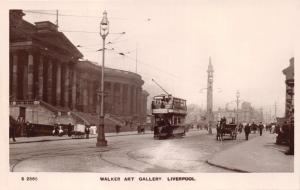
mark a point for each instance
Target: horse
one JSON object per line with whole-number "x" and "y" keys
{"x": 219, "y": 131}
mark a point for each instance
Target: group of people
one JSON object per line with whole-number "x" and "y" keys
{"x": 15, "y": 126}
{"x": 253, "y": 127}
{"x": 248, "y": 127}
{"x": 59, "y": 130}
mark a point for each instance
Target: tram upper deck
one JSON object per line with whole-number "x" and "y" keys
{"x": 163, "y": 104}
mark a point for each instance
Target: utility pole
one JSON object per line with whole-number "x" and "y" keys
{"x": 275, "y": 110}
{"x": 270, "y": 114}
{"x": 237, "y": 106}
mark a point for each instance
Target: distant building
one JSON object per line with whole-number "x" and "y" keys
{"x": 246, "y": 114}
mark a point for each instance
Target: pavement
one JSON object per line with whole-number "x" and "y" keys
{"x": 259, "y": 154}
{"x": 20, "y": 140}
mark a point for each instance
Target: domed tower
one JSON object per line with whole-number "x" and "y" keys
{"x": 209, "y": 99}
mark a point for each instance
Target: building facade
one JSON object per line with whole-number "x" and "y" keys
{"x": 123, "y": 94}
{"x": 289, "y": 96}
{"x": 45, "y": 69}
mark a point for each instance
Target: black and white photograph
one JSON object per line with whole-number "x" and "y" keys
{"x": 151, "y": 92}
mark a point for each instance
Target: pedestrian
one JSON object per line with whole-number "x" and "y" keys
{"x": 240, "y": 129}
{"x": 70, "y": 129}
{"x": 253, "y": 127}
{"x": 32, "y": 130}
{"x": 87, "y": 132}
{"x": 143, "y": 129}
{"x": 12, "y": 128}
{"x": 117, "y": 128}
{"x": 27, "y": 127}
{"x": 60, "y": 131}
{"x": 247, "y": 131}
{"x": 139, "y": 128}
{"x": 55, "y": 130}
{"x": 260, "y": 127}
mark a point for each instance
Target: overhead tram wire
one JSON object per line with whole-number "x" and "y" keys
{"x": 167, "y": 74}
{"x": 81, "y": 31}
{"x": 70, "y": 15}
{"x": 158, "y": 69}
{"x": 150, "y": 66}
{"x": 92, "y": 32}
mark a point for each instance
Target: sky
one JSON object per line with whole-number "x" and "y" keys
{"x": 249, "y": 42}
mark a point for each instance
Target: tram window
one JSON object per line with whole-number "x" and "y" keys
{"x": 179, "y": 121}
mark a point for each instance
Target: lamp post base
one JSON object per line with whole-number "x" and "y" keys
{"x": 101, "y": 143}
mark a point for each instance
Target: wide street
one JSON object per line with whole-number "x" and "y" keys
{"x": 131, "y": 153}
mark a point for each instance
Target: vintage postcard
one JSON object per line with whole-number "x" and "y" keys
{"x": 149, "y": 94}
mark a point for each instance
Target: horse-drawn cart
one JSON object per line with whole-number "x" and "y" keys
{"x": 79, "y": 131}
{"x": 226, "y": 129}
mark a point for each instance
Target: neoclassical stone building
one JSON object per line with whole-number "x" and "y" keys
{"x": 123, "y": 90}
{"x": 45, "y": 68}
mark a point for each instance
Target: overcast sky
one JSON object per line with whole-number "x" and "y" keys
{"x": 250, "y": 43}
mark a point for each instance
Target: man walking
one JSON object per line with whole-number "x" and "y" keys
{"x": 87, "y": 132}
{"x": 260, "y": 126}
{"x": 12, "y": 128}
{"x": 247, "y": 131}
{"x": 27, "y": 127}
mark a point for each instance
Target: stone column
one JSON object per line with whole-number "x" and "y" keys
{"x": 134, "y": 99}
{"x": 128, "y": 105}
{"x": 66, "y": 86}
{"x": 85, "y": 96}
{"x": 49, "y": 82}
{"x": 15, "y": 76}
{"x": 121, "y": 110}
{"x": 90, "y": 96}
{"x": 40, "y": 77}
{"x": 58, "y": 84}
{"x": 112, "y": 93}
{"x": 80, "y": 90}
{"x": 30, "y": 76}
{"x": 25, "y": 80}
{"x": 74, "y": 89}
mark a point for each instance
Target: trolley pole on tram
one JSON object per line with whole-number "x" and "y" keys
{"x": 104, "y": 30}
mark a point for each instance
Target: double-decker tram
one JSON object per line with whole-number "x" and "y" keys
{"x": 169, "y": 116}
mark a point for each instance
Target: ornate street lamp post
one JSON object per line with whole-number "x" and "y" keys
{"x": 104, "y": 30}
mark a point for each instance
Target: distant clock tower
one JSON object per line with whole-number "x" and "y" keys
{"x": 209, "y": 99}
